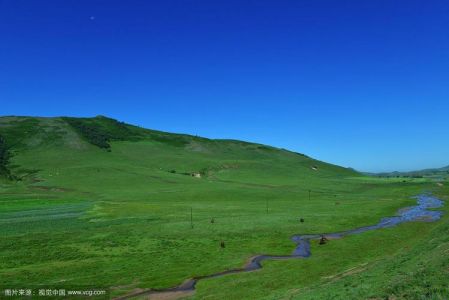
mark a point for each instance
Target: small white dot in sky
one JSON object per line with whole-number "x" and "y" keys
{"x": 92, "y": 18}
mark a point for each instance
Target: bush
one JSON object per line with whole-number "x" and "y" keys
{"x": 4, "y": 159}
{"x": 99, "y": 131}
{"x": 91, "y": 132}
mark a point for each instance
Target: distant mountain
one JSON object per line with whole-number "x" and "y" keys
{"x": 435, "y": 172}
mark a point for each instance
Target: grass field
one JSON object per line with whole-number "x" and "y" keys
{"x": 130, "y": 215}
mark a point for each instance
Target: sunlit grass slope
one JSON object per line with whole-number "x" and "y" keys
{"x": 106, "y": 203}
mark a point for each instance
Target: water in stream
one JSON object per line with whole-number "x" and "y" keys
{"x": 419, "y": 212}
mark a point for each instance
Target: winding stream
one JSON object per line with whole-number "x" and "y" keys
{"x": 418, "y": 212}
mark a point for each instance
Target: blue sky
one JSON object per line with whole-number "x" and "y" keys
{"x": 363, "y": 84}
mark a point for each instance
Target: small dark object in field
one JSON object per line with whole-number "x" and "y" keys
{"x": 222, "y": 244}
{"x": 212, "y": 220}
{"x": 301, "y": 220}
{"x": 323, "y": 240}
{"x": 337, "y": 203}
{"x": 172, "y": 171}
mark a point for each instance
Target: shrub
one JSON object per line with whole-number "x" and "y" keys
{"x": 4, "y": 159}
{"x": 91, "y": 132}
{"x": 99, "y": 131}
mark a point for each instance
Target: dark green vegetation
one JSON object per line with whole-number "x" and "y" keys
{"x": 4, "y": 158}
{"x": 5, "y": 154}
{"x": 100, "y": 131}
{"x": 81, "y": 215}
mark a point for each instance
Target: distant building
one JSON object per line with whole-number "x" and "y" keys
{"x": 196, "y": 175}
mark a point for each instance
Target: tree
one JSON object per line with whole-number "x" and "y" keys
{"x": 4, "y": 159}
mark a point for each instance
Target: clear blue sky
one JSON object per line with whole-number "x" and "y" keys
{"x": 357, "y": 83}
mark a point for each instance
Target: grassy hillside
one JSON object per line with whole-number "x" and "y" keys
{"x": 93, "y": 201}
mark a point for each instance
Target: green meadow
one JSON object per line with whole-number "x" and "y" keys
{"x": 96, "y": 202}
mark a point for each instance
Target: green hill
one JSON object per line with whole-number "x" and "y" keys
{"x": 184, "y": 154}
{"x": 94, "y": 201}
